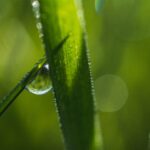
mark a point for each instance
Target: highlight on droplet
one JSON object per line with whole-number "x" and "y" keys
{"x": 41, "y": 83}
{"x": 111, "y": 93}
{"x": 35, "y": 4}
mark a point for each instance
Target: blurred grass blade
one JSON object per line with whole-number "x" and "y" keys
{"x": 70, "y": 72}
{"x": 7, "y": 100}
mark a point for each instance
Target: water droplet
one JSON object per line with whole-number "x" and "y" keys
{"x": 99, "y": 4}
{"x": 36, "y": 7}
{"x": 42, "y": 82}
{"x": 35, "y": 4}
{"x": 39, "y": 26}
{"x": 111, "y": 93}
{"x": 40, "y": 29}
{"x": 36, "y": 10}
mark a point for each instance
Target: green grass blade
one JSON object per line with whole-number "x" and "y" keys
{"x": 70, "y": 72}
{"x": 7, "y": 100}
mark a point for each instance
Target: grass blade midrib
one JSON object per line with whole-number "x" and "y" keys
{"x": 70, "y": 73}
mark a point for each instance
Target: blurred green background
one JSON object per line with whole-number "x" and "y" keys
{"x": 31, "y": 122}
{"x": 119, "y": 43}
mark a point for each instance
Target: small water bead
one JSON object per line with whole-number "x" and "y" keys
{"x": 35, "y": 4}
{"x": 42, "y": 82}
{"x": 36, "y": 7}
{"x": 39, "y": 26}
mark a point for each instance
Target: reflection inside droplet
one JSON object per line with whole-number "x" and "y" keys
{"x": 42, "y": 82}
{"x": 111, "y": 93}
